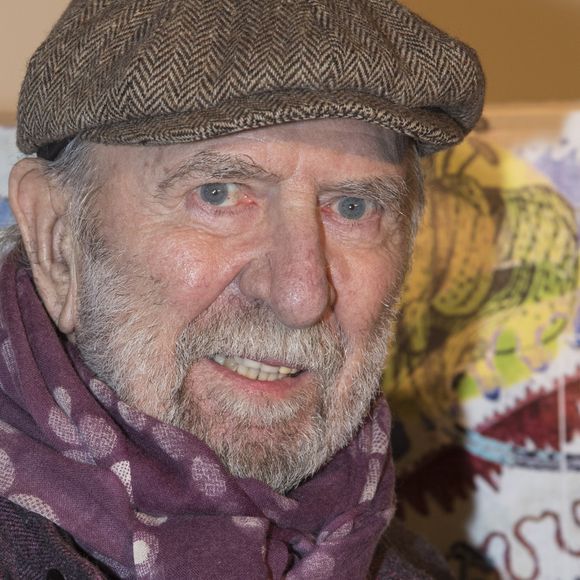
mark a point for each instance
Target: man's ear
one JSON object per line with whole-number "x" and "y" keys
{"x": 40, "y": 212}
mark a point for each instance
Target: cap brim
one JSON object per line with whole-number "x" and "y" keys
{"x": 431, "y": 129}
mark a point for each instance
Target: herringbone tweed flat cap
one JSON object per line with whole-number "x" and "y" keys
{"x": 172, "y": 71}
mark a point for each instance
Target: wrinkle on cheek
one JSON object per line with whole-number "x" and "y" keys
{"x": 362, "y": 282}
{"x": 120, "y": 216}
{"x": 195, "y": 275}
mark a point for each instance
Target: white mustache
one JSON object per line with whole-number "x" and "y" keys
{"x": 252, "y": 331}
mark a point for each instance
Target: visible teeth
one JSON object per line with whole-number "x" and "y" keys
{"x": 242, "y": 370}
{"x": 247, "y": 362}
{"x": 231, "y": 364}
{"x": 247, "y": 372}
{"x": 268, "y": 369}
{"x": 253, "y": 369}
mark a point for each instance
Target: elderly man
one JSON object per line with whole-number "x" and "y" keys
{"x": 196, "y": 303}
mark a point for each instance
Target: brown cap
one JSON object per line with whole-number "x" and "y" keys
{"x": 173, "y": 71}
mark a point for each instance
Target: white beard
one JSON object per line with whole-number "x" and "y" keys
{"x": 278, "y": 442}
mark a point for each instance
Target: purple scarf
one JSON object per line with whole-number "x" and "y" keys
{"x": 150, "y": 500}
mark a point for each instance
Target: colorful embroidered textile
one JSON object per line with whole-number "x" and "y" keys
{"x": 485, "y": 374}
{"x": 150, "y": 500}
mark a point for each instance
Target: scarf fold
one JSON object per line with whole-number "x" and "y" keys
{"x": 149, "y": 500}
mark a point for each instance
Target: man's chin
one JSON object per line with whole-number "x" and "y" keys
{"x": 271, "y": 432}
{"x": 214, "y": 395}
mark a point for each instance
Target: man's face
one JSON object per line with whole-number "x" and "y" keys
{"x": 240, "y": 287}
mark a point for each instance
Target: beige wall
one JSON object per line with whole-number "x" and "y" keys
{"x": 23, "y": 25}
{"x": 530, "y": 48}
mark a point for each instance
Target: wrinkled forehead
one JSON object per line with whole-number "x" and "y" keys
{"x": 343, "y": 135}
{"x": 320, "y": 138}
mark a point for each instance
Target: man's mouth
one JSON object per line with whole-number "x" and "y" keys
{"x": 255, "y": 370}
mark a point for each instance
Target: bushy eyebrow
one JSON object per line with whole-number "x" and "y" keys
{"x": 217, "y": 166}
{"x": 388, "y": 191}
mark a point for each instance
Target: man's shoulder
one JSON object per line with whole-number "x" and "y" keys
{"x": 33, "y": 547}
{"x": 403, "y": 555}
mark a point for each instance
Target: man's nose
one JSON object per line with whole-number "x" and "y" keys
{"x": 291, "y": 276}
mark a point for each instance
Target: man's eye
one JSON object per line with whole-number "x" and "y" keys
{"x": 352, "y": 208}
{"x": 221, "y": 194}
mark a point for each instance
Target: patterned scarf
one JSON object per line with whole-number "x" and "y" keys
{"x": 150, "y": 500}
